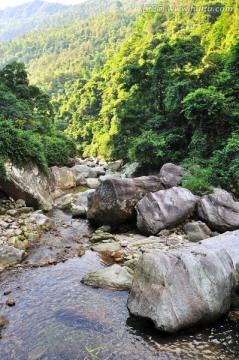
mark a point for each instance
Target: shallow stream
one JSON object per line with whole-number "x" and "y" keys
{"x": 58, "y": 318}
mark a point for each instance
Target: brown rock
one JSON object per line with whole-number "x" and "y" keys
{"x": 10, "y": 302}
{"x": 114, "y": 201}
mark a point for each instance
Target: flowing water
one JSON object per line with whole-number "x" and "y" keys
{"x": 58, "y": 318}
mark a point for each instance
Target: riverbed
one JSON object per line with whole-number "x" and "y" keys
{"x": 58, "y": 318}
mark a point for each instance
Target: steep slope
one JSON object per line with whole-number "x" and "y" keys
{"x": 15, "y": 21}
{"x": 170, "y": 94}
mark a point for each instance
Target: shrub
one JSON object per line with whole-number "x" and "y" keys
{"x": 199, "y": 180}
{"x": 20, "y": 147}
{"x": 56, "y": 151}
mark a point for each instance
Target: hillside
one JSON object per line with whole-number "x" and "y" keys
{"x": 153, "y": 87}
{"x": 15, "y": 21}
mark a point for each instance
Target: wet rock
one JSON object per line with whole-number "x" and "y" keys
{"x": 219, "y": 210}
{"x": 196, "y": 231}
{"x": 114, "y": 200}
{"x": 114, "y": 277}
{"x": 63, "y": 177}
{"x": 171, "y": 175}
{"x": 164, "y": 209}
{"x": 206, "y": 278}
{"x": 10, "y": 302}
{"x": 30, "y": 185}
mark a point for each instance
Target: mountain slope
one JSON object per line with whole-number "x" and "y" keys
{"x": 15, "y": 21}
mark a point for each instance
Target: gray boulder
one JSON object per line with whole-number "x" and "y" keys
{"x": 164, "y": 209}
{"x": 219, "y": 210}
{"x": 63, "y": 177}
{"x": 109, "y": 177}
{"x": 81, "y": 172}
{"x": 171, "y": 175}
{"x": 196, "y": 231}
{"x": 130, "y": 170}
{"x": 80, "y": 206}
{"x": 113, "y": 166}
{"x": 180, "y": 289}
{"x": 114, "y": 277}
{"x": 65, "y": 202}
{"x": 114, "y": 200}
{"x": 10, "y": 255}
{"x": 82, "y": 198}
{"x": 30, "y": 185}
{"x": 92, "y": 183}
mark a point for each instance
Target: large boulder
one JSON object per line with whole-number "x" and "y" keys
{"x": 171, "y": 175}
{"x": 114, "y": 200}
{"x": 164, "y": 209}
{"x": 181, "y": 289}
{"x": 63, "y": 177}
{"x": 30, "y": 185}
{"x": 219, "y": 210}
{"x": 114, "y": 277}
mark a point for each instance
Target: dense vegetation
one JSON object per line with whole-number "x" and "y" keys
{"x": 157, "y": 87}
{"x": 27, "y": 131}
{"x": 170, "y": 94}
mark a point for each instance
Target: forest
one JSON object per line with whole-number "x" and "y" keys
{"x": 132, "y": 83}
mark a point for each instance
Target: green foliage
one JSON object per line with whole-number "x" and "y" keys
{"x": 199, "y": 182}
{"x": 57, "y": 151}
{"x": 3, "y": 173}
{"x": 225, "y": 164}
{"x": 154, "y": 88}
{"x": 29, "y": 117}
{"x": 20, "y": 147}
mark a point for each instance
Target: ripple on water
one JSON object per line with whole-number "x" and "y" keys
{"x": 57, "y": 318}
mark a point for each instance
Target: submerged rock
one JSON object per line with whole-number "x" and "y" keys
{"x": 114, "y": 277}
{"x": 219, "y": 210}
{"x": 164, "y": 209}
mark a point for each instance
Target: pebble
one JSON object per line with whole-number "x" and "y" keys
{"x": 7, "y": 292}
{"x": 10, "y": 302}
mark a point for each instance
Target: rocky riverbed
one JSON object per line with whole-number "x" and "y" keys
{"x": 169, "y": 221}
